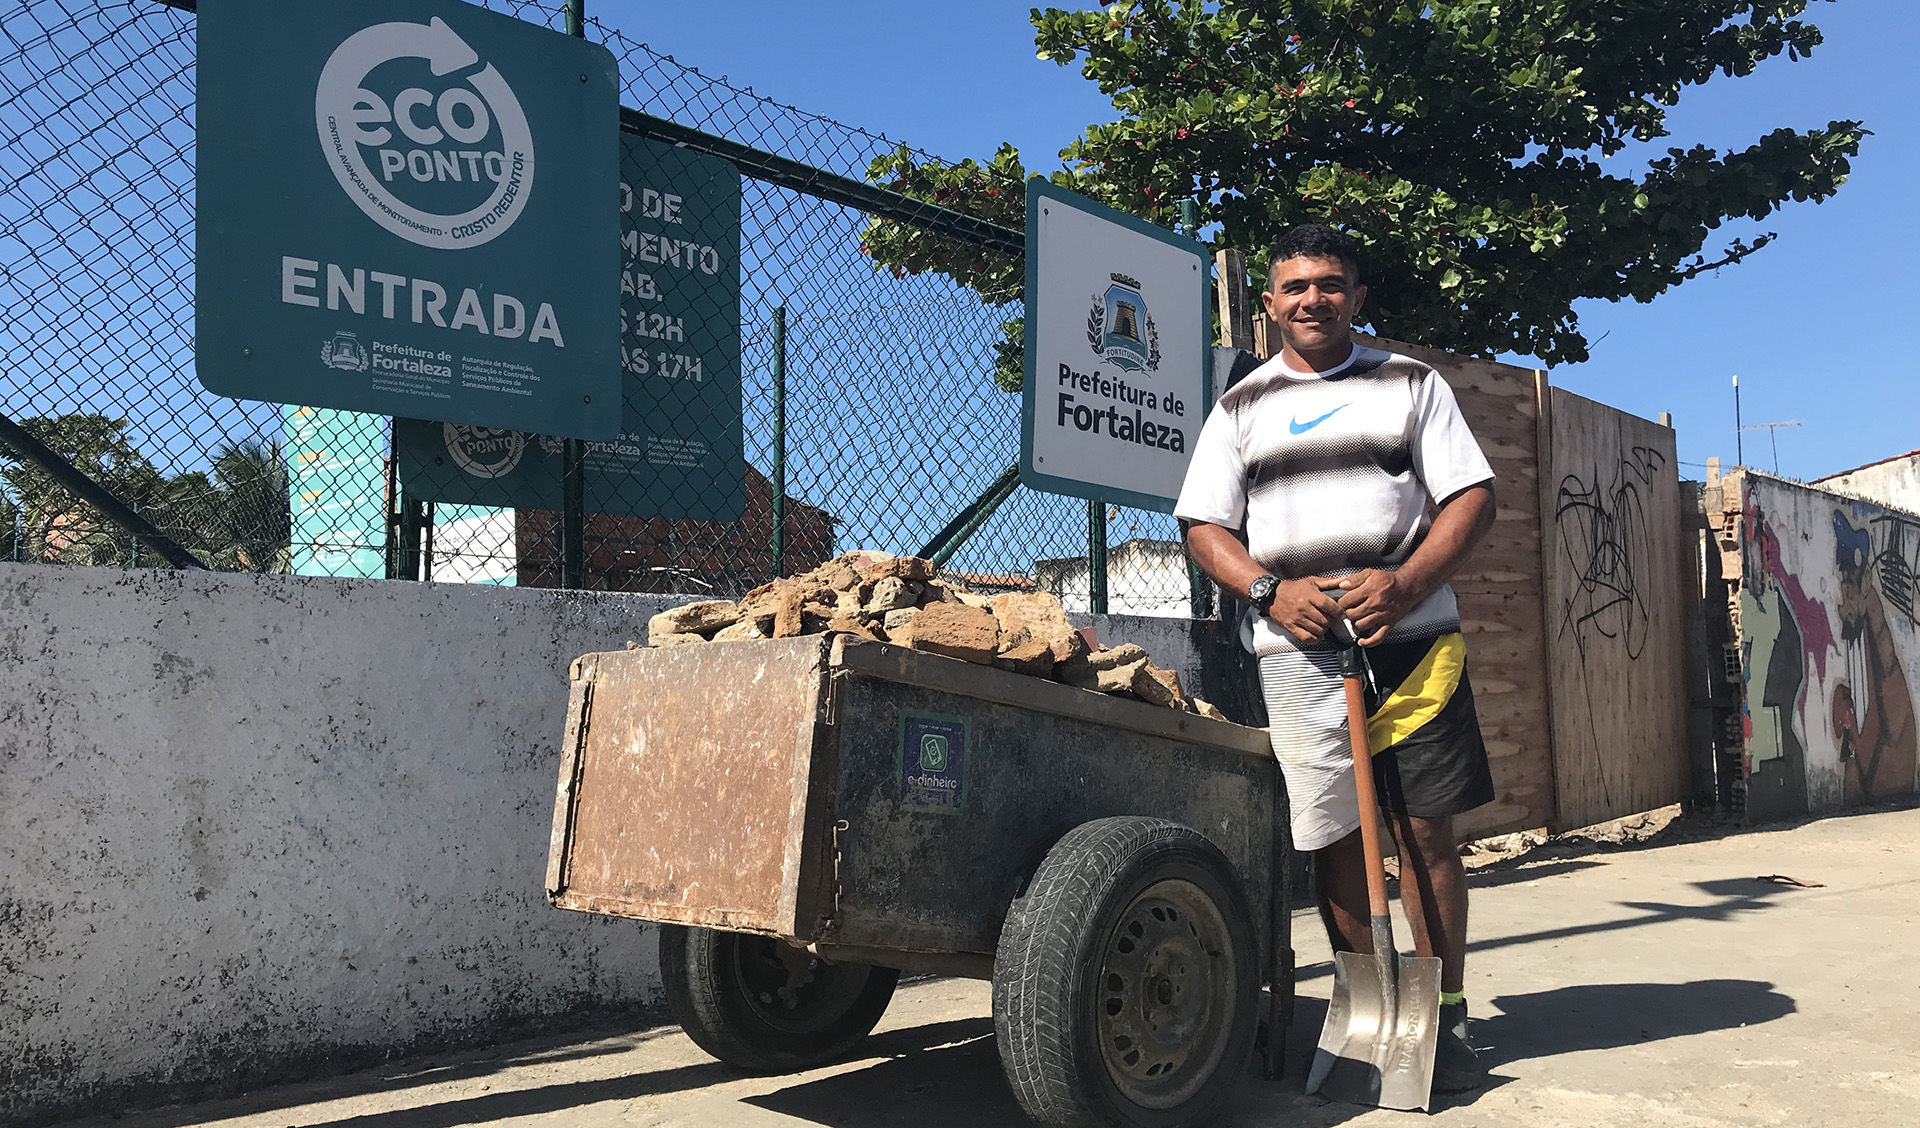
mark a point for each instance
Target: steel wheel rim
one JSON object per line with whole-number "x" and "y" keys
{"x": 766, "y": 984}
{"x": 1164, "y": 994}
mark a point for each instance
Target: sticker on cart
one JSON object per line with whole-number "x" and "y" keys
{"x": 933, "y": 762}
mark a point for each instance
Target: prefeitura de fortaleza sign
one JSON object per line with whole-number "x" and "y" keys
{"x": 407, "y": 207}
{"x": 1118, "y": 370}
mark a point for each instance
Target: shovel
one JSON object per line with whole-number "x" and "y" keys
{"x": 1383, "y": 1020}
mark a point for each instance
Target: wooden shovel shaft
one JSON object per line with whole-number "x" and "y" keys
{"x": 1369, "y": 805}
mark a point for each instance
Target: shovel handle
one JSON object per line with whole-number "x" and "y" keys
{"x": 1363, "y": 784}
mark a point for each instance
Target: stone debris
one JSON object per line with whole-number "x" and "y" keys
{"x": 955, "y": 630}
{"x": 1108, "y": 671}
{"x": 904, "y": 600}
{"x": 695, "y": 618}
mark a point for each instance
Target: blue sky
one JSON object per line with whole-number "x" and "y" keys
{"x": 1813, "y": 325}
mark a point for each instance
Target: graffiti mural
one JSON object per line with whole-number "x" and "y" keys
{"x": 1829, "y": 648}
{"x": 1604, "y": 536}
{"x": 1872, "y": 714}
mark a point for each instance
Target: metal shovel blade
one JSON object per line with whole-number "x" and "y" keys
{"x": 1383, "y": 1023}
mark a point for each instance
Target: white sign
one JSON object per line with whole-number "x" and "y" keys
{"x": 1117, "y": 364}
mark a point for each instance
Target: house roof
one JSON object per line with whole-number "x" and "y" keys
{"x": 1870, "y": 465}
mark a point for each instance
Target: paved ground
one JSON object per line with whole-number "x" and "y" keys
{"x": 1663, "y": 984}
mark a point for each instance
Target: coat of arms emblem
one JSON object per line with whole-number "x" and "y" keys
{"x": 1120, "y": 330}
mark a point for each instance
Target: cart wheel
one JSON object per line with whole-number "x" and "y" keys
{"x": 767, "y": 1006}
{"x": 1125, "y": 984}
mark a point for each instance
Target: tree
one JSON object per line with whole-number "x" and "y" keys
{"x": 254, "y": 512}
{"x": 56, "y": 526}
{"x": 1456, "y": 140}
{"x": 237, "y": 519}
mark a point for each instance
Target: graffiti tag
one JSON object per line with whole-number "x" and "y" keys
{"x": 1604, "y": 536}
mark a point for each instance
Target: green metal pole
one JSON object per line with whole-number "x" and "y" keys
{"x": 948, "y": 540}
{"x": 1199, "y": 587}
{"x": 412, "y": 517}
{"x": 780, "y": 441}
{"x": 1097, "y": 557}
{"x": 573, "y": 509}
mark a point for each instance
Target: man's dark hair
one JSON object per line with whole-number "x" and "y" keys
{"x": 1316, "y": 240}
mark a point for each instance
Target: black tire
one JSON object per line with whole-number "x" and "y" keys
{"x": 1126, "y": 980}
{"x": 738, "y": 999}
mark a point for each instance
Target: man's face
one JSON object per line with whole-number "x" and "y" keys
{"x": 1313, "y": 301}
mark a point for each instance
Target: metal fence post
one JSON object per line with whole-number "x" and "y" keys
{"x": 1199, "y": 587}
{"x": 1097, "y": 557}
{"x": 573, "y": 516}
{"x": 779, "y": 441}
{"x": 410, "y": 521}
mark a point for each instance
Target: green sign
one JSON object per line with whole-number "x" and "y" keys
{"x": 404, "y": 208}
{"x": 338, "y": 483}
{"x": 680, "y": 452}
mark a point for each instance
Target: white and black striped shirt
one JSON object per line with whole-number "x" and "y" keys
{"x": 1330, "y": 472}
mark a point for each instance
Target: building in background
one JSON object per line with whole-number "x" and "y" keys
{"x": 1144, "y": 577}
{"x": 1891, "y": 481}
{"x": 657, "y": 554}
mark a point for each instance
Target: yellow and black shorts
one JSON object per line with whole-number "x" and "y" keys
{"x": 1429, "y": 759}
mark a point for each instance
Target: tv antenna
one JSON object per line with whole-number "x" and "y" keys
{"x": 1773, "y": 431}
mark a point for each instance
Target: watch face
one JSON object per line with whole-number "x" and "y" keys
{"x": 1261, "y": 590}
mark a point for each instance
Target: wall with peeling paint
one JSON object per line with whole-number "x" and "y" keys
{"x": 256, "y": 826}
{"x": 1891, "y": 481}
{"x": 1830, "y": 648}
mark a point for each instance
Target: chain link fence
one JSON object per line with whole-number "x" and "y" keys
{"x": 866, "y": 414}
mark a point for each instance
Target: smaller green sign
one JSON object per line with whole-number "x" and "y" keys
{"x": 933, "y": 762}
{"x": 338, "y": 482}
{"x": 681, "y": 452}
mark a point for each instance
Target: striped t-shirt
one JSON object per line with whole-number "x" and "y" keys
{"x": 1330, "y": 472}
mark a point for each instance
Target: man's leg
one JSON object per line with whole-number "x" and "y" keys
{"x": 1340, "y": 883}
{"x": 1433, "y": 893}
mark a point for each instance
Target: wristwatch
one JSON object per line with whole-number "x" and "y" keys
{"x": 1260, "y": 592}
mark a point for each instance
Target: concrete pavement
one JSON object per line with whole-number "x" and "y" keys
{"x": 1654, "y": 985}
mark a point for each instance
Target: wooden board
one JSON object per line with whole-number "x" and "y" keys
{"x": 1614, "y": 600}
{"x": 1501, "y": 612}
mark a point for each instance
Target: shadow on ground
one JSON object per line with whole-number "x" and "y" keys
{"x": 537, "y": 1101}
{"x": 943, "y": 1075}
{"x": 1603, "y": 1016}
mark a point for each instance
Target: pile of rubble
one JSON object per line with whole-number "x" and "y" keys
{"x": 903, "y": 600}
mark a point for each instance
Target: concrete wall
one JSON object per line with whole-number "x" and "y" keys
{"x": 256, "y": 825}
{"x": 1830, "y": 648}
{"x": 1893, "y": 482}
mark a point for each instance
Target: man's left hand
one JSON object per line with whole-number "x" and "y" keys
{"x": 1375, "y": 600}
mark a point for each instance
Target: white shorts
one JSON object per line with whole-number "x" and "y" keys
{"x": 1307, "y": 722}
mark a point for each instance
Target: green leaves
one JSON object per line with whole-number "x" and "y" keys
{"x": 1456, "y": 140}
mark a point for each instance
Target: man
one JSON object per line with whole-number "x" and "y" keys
{"x": 1325, "y": 459}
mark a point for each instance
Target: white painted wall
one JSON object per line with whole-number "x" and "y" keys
{"x": 251, "y": 825}
{"x": 1144, "y": 578}
{"x": 1830, "y": 648}
{"x": 1894, "y": 482}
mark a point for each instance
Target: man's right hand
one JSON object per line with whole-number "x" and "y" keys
{"x": 1303, "y": 608}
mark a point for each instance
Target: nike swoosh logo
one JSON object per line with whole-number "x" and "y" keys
{"x": 1299, "y": 428}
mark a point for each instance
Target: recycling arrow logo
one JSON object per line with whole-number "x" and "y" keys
{"x": 445, "y": 167}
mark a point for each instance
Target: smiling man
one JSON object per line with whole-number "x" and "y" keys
{"x": 1308, "y": 497}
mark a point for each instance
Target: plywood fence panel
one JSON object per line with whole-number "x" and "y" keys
{"x": 1499, "y": 590}
{"x": 1614, "y": 592}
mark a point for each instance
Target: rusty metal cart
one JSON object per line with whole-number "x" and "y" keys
{"x": 810, "y": 817}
